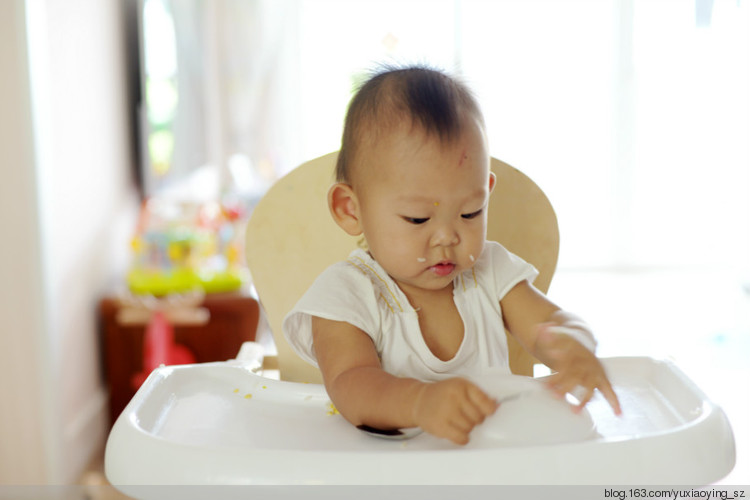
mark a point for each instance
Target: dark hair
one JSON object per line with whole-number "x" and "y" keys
{"x": 427, "y": 97}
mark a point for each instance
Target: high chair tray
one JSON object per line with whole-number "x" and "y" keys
{"x": 219, "y": 423}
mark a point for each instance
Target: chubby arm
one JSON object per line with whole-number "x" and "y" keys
{"x": 558, "y": 339}
{"x": 364, "y": 393}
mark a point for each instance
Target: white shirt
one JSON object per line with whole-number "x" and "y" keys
{"x": 358, "y": 291}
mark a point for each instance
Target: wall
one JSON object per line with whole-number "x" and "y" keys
{"x": 21, "y": 320}
{"x": 69, "y": 205}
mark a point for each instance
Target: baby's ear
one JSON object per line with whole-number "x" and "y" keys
{"x": 493, "y": 179}
{"x": 344, "y": 207}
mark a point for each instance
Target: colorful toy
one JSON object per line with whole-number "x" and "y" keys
{"x": 182, "y": 246}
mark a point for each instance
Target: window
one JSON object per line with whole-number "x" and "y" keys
{"x": 633, "y": 116}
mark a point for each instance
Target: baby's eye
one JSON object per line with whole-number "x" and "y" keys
{"x": 471, "y": 215}
{"x": 416, "y": 220}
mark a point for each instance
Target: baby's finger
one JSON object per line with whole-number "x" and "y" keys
{"x": 553, "y": 384}
{"x": 447, "y": 428}
{"x": 584, "y": 400}
{"x": 457, "y": 434}
{"x": 483, "y": 403}
{"x": 470, "y": 415}
{"x": 562, "y": 385}
{"x": 609, "y": 394}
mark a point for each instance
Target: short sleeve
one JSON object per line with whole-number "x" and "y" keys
{"x": 341, "y": 293}
{"x": 503, "y": 269}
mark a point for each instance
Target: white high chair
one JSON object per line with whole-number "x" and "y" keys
{"x": 223, "y": 423}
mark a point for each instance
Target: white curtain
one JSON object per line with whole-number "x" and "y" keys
{"x": 632, "y": 115}
{"x": 236, "y": 77}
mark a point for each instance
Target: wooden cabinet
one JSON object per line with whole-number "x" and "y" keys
{"x": 233, "y": 320}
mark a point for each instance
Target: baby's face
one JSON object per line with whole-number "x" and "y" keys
{"x": 423, "y": 205}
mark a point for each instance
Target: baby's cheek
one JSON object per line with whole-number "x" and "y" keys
{"x": 397, "y": 259}
{"x": 475, "y": 250}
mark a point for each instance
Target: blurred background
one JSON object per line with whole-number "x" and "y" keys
{"x": 632, "y": 115}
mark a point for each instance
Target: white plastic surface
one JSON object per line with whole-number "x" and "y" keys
{"x": 529, "y": 415}
{"x": 219, "y": 423}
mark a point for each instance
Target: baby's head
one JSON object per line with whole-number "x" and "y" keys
{"x": 409, "y": 99}
{"x": 413, "y": 175}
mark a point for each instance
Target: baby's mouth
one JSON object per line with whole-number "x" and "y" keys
{"x": 443, "y": 268}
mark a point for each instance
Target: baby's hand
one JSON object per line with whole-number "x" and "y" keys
{"x": 452, "y": 408}
{"x": 567, "y": 351}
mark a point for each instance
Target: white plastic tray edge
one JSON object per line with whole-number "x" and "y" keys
{"x": 699, "y": 452}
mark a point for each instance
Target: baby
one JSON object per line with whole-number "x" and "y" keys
{"x": 398, "y": 328}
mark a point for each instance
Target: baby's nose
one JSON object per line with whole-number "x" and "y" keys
{"x": 445, "y": 236}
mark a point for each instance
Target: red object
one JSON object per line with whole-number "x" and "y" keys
{"x": 233, "y": 319}
{"x": 160, "y": 348}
